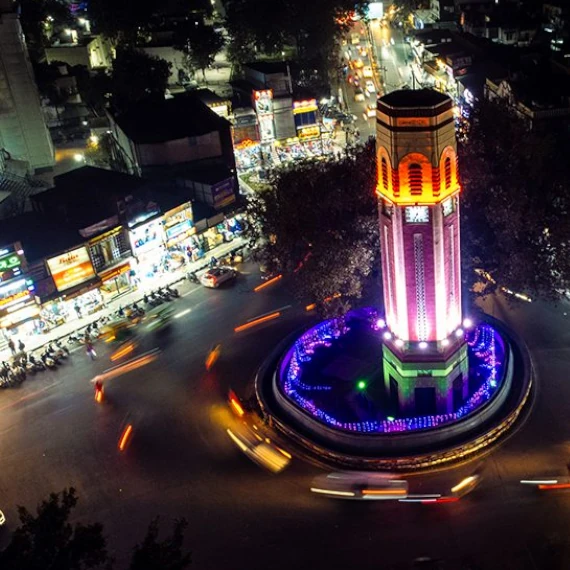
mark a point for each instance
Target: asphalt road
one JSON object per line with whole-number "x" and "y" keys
{"x": 180, "y": 462}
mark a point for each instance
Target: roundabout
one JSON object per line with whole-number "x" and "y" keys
{"x": 324, "y": 388}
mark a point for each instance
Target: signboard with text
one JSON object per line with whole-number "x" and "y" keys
{"x": 71, "y": 268}
{"x": 10, "y": 264}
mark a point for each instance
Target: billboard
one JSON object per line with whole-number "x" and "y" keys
{"x": 264, "y": 109}
{"x": 11, "y": 263}
{"x": 375, "y": 10}
{"x": 71, "y": 268}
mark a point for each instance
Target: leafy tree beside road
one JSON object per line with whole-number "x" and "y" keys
{"x": 515, "y": 205}
{"x": 137, "y": 76}
{"x": 199, "y": 43}
{"x": 320, "y": 224}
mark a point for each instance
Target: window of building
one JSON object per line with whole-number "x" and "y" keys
{"x": 415, "y": 178}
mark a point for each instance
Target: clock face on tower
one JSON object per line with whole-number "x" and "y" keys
{"x": 417, "y": 214}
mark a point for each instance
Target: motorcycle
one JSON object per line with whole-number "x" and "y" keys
{"x": 61, "y": 347}
{"x": 192, "y": 277}
{"x": 172, "y": 291}
{"x": 57, "y": 354}
{"x": 37, "y": 364}
{"x": 48, "y": 361}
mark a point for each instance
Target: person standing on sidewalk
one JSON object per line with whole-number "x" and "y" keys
{"x": 12, "y": 346}
{"x": 89, "y": 349}
{"x": 21, "y": 346}
{"x": 77, "y": 309}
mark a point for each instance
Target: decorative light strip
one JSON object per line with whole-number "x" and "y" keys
{"x": 486, "y": 354}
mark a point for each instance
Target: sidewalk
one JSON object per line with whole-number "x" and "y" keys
{"x": 35, "y": 342}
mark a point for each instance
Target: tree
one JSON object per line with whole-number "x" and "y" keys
{"x": 515, "y": 205}
{"x": 319, "y": 225}
{"x": 34, "y": 16}
{"x": 121, "y": 20}
{"x": 137, "y": 76}
{"x": 48, "y": 541}
{"x": 168, "y": 554}
{"x": 95, "y": 89}
{"x": 199, "y": 43}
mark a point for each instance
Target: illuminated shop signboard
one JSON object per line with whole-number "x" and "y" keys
{"x": 10, "y": 263}
{"x": 264, "y": 110}
{"x": 147, "y": 237}
{"x": 71, "y": 268}
{"x": 15, "y": 295}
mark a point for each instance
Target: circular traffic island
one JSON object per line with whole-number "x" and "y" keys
{"x": 352, "y": 396}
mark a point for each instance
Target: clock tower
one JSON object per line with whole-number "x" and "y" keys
{"x": 418, "y": 192}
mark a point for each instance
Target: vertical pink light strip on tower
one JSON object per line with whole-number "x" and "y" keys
{"x": 440, "y": 284}
{"x": 420, "y": 289}
{"x": 401, "y": 324}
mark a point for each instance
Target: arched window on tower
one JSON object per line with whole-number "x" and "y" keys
{"x": 415, "y": 178}
{"x": 384, "y": 173}
{"x": 447, "y": 170}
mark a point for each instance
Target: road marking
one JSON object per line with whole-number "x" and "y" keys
{"x": 182, "y": 313}
{"x": 190, "y": 292}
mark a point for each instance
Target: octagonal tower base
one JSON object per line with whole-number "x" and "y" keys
{"x": 434, "y": 380}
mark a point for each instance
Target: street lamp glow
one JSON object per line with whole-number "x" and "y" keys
{"x": 467, "y": 323}
{"x": 361, "y": 385}
{"x": 387, "y": 335}
{"x": 78, "y": 157}
{"x": 423, "y": 345}
{"x": 399, "y": 342}
{"x": 459, "y": 333}
{"x": 445, "y": 342}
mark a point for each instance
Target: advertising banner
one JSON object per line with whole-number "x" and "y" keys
{"x": 71, "y": 268}
{"x": 147, "y": 237}
{"x": 10, "y": 264}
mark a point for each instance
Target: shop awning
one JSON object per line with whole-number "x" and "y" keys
{"x": 112, "y": 272}
{"x": 80, "y": 289}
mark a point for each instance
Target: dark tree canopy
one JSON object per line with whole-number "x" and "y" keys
{"x": 515, "y": 205}
{"x": 321, "y": 224}
{"x": 261, "y": 27}
{"x": 168, "y": 554}
{"x": 121, "y": 19}
{"x": 137, "y": 76}
{"x": 199, "y": 43}
{"x": 48, "y": 541}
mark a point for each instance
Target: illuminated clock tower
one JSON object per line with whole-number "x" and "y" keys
{"x": 418, "y": 191}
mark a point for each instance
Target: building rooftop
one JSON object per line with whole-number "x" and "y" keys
{"x": 171, "y": 119}
{"x": 409, "y": 98}
{"x": 268, "y": 67}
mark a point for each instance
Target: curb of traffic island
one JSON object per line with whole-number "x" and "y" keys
{"x": 480, "y": 444}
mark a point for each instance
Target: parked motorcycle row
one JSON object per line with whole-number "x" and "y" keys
{"x": 55, "y": 353}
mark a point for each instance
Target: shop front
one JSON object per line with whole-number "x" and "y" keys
{"x": 179, "y": 231}
{"x": 225, "y": 230}
{"x": 77, "y": 288}
{"x": 116, "y": 281}
{"x": 148, "y": 246}
{"x": 19, "y": 313}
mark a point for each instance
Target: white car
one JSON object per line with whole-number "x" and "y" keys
{"x": 367, "y": 71}
{"x": 369, "y": 86}
{"x": 215, "y": 277}
{"x": 359, "y": 95}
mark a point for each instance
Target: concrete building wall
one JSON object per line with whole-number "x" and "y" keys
{"x": 180, "y": 151}
{"x": 22, "y": 123}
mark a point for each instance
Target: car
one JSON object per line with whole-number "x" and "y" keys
{"x": 215, "y": 277}
{"x": 359, "y": 95}
{"x": 358, "y": 63}
{"x": 360, "y": 485}
{"x": 2, "y": 519}
{"x": 369, "y": 86}
{"x": 367, "y": 71}
{"x": 370, "y": 111}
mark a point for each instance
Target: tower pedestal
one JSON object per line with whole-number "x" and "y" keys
{"x": 425, "y": 382}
